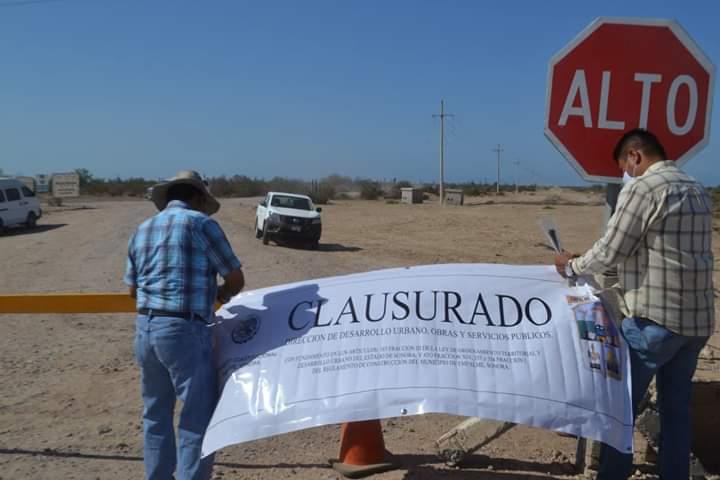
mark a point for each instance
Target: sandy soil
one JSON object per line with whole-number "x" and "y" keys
{"x": 69, "y": 397}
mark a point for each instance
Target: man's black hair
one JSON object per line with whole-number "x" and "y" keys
{"x": 639, "y": 139}
{"x": 183, "y": 192}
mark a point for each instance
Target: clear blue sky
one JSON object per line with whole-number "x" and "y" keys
{"x": 297, "y": 88}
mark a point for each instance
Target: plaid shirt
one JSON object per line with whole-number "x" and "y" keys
{"x": 174, "y": 259}
{"x": 660, "y": 238}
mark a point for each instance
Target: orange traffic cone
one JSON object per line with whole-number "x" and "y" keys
{"x": 362, "y": 450}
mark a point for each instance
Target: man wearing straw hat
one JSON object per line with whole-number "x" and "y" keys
{"x": 173, "y": 262}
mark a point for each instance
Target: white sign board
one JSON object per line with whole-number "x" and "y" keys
{"x": 65, "y": 185}
{"x": 42, "y": 183}
{"x": 510, "y": 343}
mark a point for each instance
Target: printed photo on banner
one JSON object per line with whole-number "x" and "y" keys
{"x": 598, "y": 335}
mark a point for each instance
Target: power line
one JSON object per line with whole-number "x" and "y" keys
{"x": 499, "y": 149}
{"x": 442, "y": 116}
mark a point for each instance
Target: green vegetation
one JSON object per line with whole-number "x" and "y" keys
{"x": 370, "y": 190}
{"x": 321, "y": 191}
{"x": 333, "y": 187}
{"x": 116, "y": 187}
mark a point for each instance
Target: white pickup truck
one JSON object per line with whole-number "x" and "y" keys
{"x": 289, "y": 217}
{"x": 18, "y": 204}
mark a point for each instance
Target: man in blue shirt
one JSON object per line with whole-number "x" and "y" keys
{"x": 173, "y": 262}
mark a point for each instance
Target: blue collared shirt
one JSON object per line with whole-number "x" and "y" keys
{"x": 174, "y": 259}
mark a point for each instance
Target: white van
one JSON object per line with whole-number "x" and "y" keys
{"x": 18, "y": 204}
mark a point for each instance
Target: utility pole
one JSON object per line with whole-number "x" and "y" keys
{"x": 442, "y": 116}
{"x": 498, "y": 150}
{"x": 517, "y": 170}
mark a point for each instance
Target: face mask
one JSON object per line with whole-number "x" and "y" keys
{"x": 634, "y": 166}
{"x": 627, "y": 178}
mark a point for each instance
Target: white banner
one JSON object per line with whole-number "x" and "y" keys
{"x": 511, "y": 343}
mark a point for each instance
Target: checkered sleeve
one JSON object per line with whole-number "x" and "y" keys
{"x": 130, "y": 277}
{"x": 219, "y": 251}
{"x": 623, "y": 235}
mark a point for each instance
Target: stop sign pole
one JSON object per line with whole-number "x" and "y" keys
{"x": 623, "y": 73}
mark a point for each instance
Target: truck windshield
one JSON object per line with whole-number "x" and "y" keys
{"x": 284, "y": 201}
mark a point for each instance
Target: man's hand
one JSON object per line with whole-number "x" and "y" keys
{"x": 234, "y": 282}
{"x": 561, "y": 260}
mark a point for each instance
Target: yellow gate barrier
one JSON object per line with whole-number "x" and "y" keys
{"x": 67, "y": 303}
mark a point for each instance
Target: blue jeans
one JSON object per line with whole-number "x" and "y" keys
{"x": 654, "y": 350}
{"x": 175, "y": 360}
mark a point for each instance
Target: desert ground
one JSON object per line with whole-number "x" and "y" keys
{"x": 69, "y": 388}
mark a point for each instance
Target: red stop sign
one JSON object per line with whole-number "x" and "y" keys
{"x": 620, "y": 74}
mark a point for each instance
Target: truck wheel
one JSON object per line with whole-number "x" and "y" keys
{"x": 31, "y": 220}
{"x": 258, "y": 232}
{"x": 265, "y": 235}
{"x": 2, "y": 227}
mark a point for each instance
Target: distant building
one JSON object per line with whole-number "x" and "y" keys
{"x": 42, "y": 183}
{"x": 411, "y": 195}
{"x": 454, "y": 196}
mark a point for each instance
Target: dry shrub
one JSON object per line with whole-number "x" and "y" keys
{"x": 322, "y": 194}
{"x": 370, "y": 190}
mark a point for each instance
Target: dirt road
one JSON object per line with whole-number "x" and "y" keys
{"x": 69, "y": 398}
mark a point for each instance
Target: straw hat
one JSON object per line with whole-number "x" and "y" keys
{"x": 188, "y": 177}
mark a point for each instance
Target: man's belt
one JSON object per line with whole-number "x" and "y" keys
{"x": 152, "y": 312}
